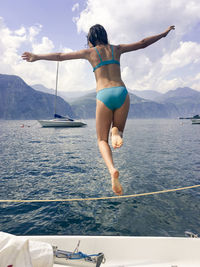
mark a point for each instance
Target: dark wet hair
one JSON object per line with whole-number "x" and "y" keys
{"x": 97, "y": 34}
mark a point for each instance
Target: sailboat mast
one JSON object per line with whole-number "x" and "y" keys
{"x": 56, "y": 88}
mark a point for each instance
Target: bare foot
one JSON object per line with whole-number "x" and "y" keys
{"x": 116, "y": 186}
{"x": 116, "y": 137}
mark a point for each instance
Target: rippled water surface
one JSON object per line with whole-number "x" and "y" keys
{"x": 49, "y": 163}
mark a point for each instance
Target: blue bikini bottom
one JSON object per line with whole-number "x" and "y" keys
{"x": 113, "y": 97}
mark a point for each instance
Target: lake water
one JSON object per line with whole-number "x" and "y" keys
{"x": 49, "y": 163}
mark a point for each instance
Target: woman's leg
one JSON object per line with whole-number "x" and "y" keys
{"x": 104, "y": 119}
{"x": 119, "y": 121}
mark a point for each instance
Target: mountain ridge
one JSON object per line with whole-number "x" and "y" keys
{"x": 20, "y": 101}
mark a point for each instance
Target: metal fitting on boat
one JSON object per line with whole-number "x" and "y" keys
{"x": 190, "y": 234}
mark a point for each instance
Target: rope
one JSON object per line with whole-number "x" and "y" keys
{"x": 98, "y": 198}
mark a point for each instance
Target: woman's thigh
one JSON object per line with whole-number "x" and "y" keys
{"x": 120, "y": 115}
{"x": 104, "y": 118}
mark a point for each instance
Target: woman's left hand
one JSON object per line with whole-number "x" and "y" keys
{"x": 168, "y": 30}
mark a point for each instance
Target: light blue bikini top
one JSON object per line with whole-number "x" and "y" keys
{"x": 105, "y": 62}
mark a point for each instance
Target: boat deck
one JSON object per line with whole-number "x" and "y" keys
{"x": 130, "y": 251}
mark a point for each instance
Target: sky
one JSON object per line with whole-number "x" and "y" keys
{"x": 46, "y": 26}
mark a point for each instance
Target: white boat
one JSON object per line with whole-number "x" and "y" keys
{"x": 127, "y": 251}
{"x": 61, "y": 123}
{"x": 196, "y": 119}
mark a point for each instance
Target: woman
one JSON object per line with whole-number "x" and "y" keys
{"x": 112, "y": 97}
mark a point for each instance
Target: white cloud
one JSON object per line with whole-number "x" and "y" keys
{"x": 33, "y": 31}
{"x": 9, "y": 44}
{"x": 75, "y": 7}
{"x": 167, "y": 64}
{"x": 186, "y": 53}
{"x": 46, "y": 46}
{"x": 130, "y": 21}
{"x": 73, "y": 75}
{"x": 20, "y": 31}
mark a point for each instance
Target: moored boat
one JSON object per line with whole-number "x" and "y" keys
{"x": 61, "y": 123}
{"x": 196, "y": 119}
{"x": 59, "y": 120}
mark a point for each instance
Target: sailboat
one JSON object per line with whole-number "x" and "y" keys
{"x": 58, "y": 120}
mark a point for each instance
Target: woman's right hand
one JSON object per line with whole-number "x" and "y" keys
{"x": 168, "y": 30}
{"x": 30, "y": 57}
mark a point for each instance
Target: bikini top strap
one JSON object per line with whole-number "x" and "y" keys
{"x": 98, "y": 54}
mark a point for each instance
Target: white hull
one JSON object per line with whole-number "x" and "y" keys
{"x": 60, "y": 123}
{"x": 195, "y": 121}
{"x": 130, "y": 251}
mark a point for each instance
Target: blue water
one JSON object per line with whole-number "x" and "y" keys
{"x": 48, "y": 163}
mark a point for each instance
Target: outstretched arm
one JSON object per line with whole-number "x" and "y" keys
{"x": 145, "y": 42}
{"x": 30, "y": 57}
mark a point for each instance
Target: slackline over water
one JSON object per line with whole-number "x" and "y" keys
{"x": 98, "y": 198}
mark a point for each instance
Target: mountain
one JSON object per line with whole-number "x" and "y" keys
{"x": 42, "y": 88}
{"x": 144, "y": 108}
{"x": 85, "y": 107}
{"x": 147, "y": 94}
{"x": 72, "y": 96}
{"x": 186, "y": 100}
{"x": 182, "y": 102}
{"x": 20, "y": 101}
{"x": 178, "y": 94}
{"x": 68, "y": 96}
